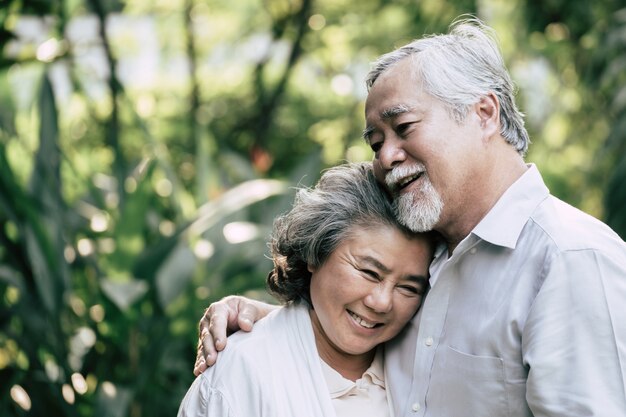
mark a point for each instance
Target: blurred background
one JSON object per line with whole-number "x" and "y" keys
{"x": 146, "y": 146}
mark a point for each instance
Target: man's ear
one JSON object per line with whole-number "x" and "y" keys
{"x": 311, "y": 268}
{"x": 488, "y": 111}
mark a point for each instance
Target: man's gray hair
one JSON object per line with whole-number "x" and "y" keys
{"x": 346, "y": 197}
{"x": 459, "y": 68}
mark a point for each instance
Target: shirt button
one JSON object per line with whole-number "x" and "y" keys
{"x": 473, "y": 251}
{"x": 429, "y": 341}
{"x": 415, "y": 407}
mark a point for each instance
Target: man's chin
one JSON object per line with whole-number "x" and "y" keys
{"x": 419, "y": 226}
{"x": 417, "y": 215}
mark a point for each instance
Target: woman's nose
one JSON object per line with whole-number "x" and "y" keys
{"x": 380, "y": 299}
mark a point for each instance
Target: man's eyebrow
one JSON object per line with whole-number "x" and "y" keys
{"x": 388, "y": 113}
{"x": 394, "y": 111}
{"x": 367, "y": 133}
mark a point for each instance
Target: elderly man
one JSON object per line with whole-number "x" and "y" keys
{"x": 525, "y": 315}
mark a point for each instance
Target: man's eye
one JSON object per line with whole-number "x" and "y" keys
{"x": 402, "y": 128}
{"x": 376, "y": 146}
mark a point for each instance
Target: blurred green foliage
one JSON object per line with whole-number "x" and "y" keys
{"x": 146, "y": 146}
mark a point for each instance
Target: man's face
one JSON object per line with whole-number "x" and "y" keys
{"x": 424, "y": 157}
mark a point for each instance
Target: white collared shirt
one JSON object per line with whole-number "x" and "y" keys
{"x": 526, "y": 317}
{"x": 364, "y": 397}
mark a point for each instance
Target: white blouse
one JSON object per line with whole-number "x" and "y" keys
{"x": 364, "y": 397}
{"x": 275, "y": 371}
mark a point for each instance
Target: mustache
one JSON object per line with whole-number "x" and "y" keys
{"x": 393, "y": 177}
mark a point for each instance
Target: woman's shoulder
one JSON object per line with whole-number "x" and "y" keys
{"x": 250, "y": 360}
{"x": 203, "y": 398}
{"x": 279, "y": 355}
{"x": 270, "y": 335}
{"x": 240, "y": 372}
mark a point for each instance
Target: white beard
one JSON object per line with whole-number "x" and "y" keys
{"x": 419, "y": 210}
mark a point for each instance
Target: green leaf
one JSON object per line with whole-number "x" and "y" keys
{"x": 43, "y": 235}
{"x": 123, "y": 293}
{"x": 238, "y": 197}
{"x": 42, "y": 270}
{"x": 174, "y": 274}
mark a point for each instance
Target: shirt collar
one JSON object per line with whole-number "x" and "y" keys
{"x": 376, "y": 371}
{"x": 503, "y": 224}
{"x": 339, "y": 386}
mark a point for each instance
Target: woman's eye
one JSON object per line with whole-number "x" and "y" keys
{"x": 409, "y": 289}
{"x": 370, "y": 273}
{"x": 412, "y": 290}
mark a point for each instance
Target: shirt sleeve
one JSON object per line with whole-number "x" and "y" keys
{"x": 202, "y": 400}
{"x": 574, "y": 340}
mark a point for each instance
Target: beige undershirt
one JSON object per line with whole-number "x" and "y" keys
{"x": 364, "y": 397}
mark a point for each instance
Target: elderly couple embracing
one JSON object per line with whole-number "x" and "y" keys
{"x": 442, "y": 279}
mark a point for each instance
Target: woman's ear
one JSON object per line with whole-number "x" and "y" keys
{"x": 311, "y": 268}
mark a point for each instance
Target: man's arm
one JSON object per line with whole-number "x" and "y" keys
{"x": 228, "y": 315}
{"x": 574, "y": 340}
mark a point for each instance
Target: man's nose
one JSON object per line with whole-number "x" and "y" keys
{"x": 391, "y": 154}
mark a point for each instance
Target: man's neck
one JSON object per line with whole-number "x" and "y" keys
{"x": 503, "y": 173}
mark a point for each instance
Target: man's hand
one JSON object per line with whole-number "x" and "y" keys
{"x": 230, "y": 314}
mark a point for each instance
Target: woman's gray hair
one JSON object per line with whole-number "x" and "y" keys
{"x": 459, "y": 68}
{"x": 346, "y": 197}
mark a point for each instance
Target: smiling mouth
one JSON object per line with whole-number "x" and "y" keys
{"x": 405, "y": 182}
{"x": 361, "y": 321}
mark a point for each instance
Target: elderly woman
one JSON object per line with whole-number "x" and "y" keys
{"x": 350, "y": 278}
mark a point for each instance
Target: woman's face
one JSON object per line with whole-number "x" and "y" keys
{"x": 368, "y": 289}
